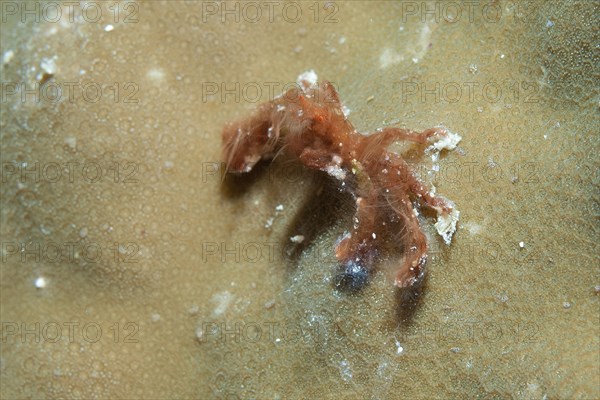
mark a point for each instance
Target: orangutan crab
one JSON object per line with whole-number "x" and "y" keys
{"x": 309, "y": 123}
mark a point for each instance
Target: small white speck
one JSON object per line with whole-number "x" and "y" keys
{"x": 40, "y": 282}
{"x": 566, "y": 304}
{"x": 346, "y": 111}
{"x": 342, "y": 40}
{"x": 399, "y": 348}
{"x": 373, "y": 235}
{"x": 308, "y": 76}
{"x": 7, "y": 56}
{"x": 83, "y": 232}
{"x": 549, "y": 24}
{"x": 345, "y": 370}
{"x": 336, "y": 172}
{"x": 297, "y": 239}
{"x": 269, "y": 304}
{"x": 522, "y": 245}
{"x": 222, "y": 300}
{"x": 155, "y": 74}
{"x": 448, "y": 141}
{"x": 279, "y": 207}
{"x": 48, "y": 65}
{"x": 71, "y": 141}
{"x": 269, "y": 223}
{"x": 108, "y": 28}
{"x": 502, "y": 56}
{"x": 473, "y": 227}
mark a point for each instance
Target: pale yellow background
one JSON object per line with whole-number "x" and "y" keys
{"x": 493, "y": 320}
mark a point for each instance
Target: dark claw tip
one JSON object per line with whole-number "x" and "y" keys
{"x": 352, "y": 277}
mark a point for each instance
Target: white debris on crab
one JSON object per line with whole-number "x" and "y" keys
{"x": 446, "y": 222}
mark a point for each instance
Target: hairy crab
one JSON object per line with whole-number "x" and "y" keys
{"x": 308, "y": 122}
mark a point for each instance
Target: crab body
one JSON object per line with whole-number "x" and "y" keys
{"x": 309, "y": 123}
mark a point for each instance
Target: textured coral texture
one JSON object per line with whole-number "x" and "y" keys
{"x": 171, "y": 282}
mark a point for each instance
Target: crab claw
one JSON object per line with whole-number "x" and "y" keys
{"x": 353, "y": 277}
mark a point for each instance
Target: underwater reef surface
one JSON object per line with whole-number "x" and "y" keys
{"x": 128, "y": 264}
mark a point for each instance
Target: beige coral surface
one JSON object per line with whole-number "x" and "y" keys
{"x": 130, "y": 271}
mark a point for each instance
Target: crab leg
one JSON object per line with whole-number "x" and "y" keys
{"x": 386, "y": 136}
{"x": 414, "y": 240}
{"x": 359, "y": 246}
